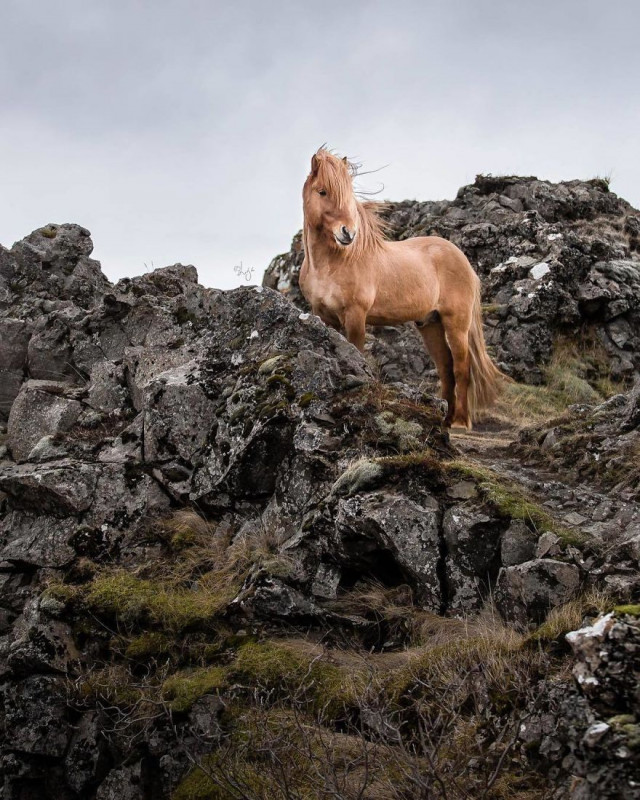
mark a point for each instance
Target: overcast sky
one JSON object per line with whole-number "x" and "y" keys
{"x": 181, "y": 130}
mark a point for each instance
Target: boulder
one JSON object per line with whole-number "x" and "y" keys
{"x": 530, "y": 590}
{"x": 40, "y": 410}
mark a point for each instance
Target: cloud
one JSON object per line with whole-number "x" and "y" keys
{"x": 182, "y": 131}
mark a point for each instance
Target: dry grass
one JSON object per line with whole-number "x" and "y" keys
{"x": 579, "y": 372}
{"x": 570, "y": 616}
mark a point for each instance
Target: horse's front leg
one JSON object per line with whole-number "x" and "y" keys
{"x": 354, "y": 326}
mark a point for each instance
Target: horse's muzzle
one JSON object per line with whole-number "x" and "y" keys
{"x": 346, "y": 237}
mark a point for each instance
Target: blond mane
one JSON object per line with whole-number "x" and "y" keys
{"x": 338, "y": 184}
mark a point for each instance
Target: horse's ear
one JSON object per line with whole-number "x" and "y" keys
{"x": 346, "y": 160}
{"x": 315, "y": 163}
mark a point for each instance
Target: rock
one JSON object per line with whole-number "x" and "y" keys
{"x": 473, "y": 541}
{"x": 124, "y": 783}
{"x": 14, "y": 341}
{"x": 518, "y": 544}
{"x": 87, "y": 760}
{"x": 37, "y": 540}
{"x": 605, "y": 739}
{"x": 41, "y": 644}
{"x": 529, "y": 590}
{"x": 58, "y": 487}
{"x": 379, "y": 529}
{"x": 39, "y": 410}
{"x": 35, "y": 716}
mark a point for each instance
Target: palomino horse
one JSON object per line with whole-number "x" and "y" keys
{"x": 353, "y": 276}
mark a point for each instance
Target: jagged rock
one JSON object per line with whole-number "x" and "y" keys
{"x": 123, "y": 784}
{"x": 160, "y": 394}
{"x": 473, "y": 543}
{"x": 14, "y": 341}
{"x": 529, "y": 590}
{"x": 37, "y": 540}
{"x": 605, "y": 750}
{"x": 87, "y": 761}
{"x": 40, "y": 644}
{"x": 376, "y": 526}
{"x": 518, "y": 544}
{"x": 39, "y": 410}
{"x": 35, "y": 716}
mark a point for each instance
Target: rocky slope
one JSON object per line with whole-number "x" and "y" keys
{"x": 234, "y": 564}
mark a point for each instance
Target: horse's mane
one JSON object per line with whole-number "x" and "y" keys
{"x": 338, "y": 184}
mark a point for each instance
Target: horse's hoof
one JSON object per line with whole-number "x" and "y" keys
{"x": 462, "y": 423}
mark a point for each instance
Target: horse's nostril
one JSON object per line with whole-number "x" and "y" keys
{"x": 346, "y": 233}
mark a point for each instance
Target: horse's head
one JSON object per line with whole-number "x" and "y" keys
{"x": 329, "y": 203}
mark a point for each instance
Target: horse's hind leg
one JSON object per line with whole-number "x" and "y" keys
{"x": 434, "y": 339}
{"x": 457, "y": 336}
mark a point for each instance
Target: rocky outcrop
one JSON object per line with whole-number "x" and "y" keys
{"x": 589, "y": 727}
{"x": 598, "y": 443}
{"x": 555, "y": 260}
{"x": 130, "y": 402}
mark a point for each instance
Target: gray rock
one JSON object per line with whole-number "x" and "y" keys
{"x": 381, "y": 526}
{"x": 35, "y": 716}
{"x": 518, "y": 544}
{"x": 40, "y": 644}
{"x": 124, "y": 783}
{"x": 39, "y": 410}
{"x": 532, "y": 589}
{"x": 37, "y": 540}
{"x": 87, "y": 760}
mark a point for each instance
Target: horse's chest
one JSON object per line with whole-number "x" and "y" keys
{"x": 325, "y": 296}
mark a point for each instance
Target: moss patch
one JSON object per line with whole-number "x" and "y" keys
{"x": 135, "y": 600}
{"x": 183, "y": 689}
{"x": 632, "y": 610}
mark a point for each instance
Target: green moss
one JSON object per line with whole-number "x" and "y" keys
{"x": 632, "y": 610}
{"x": 306, "y": 399}
{"x": 149, "y": 645}
{"x": 283, "y": 669}
{"x": 49, "y": 232}
{"x": 268, "y": 366}
{"x": 424, "y": 459}
{"x": 403, "y": 432}
{"x": 267, "y": 410}
{"x": 134, "y": 600}
{"x": 199, "y": 784}
{"x": 278, "y": 379}
{"x": 183, "y": 689}
{"x": 491, "y": 308}
{"x": 63, "y": 592}
{"x": 510, "y": 501}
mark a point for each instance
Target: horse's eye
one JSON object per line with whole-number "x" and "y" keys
{"x": 322, "y": 192}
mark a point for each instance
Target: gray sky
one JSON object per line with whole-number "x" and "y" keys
{"x": 182, "y": 131}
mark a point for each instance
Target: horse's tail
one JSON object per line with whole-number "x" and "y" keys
{"x": 486, "y": 380}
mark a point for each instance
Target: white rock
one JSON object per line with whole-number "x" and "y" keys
{"x": 539, "y": 270}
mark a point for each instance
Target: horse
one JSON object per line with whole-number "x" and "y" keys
{"x": 353, "y": 275}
